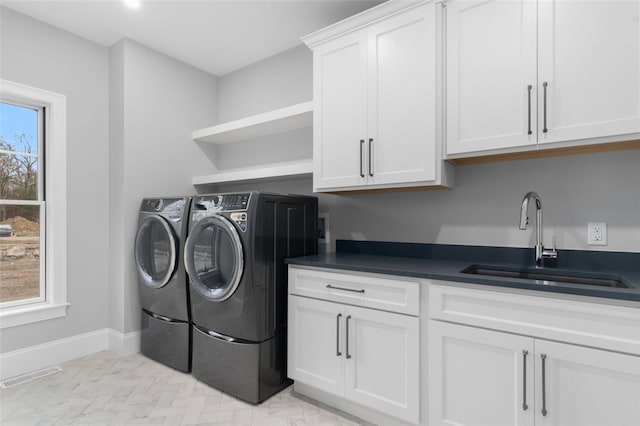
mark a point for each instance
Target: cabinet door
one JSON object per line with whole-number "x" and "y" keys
{"x": 382, "y": 361}
{"x": 402, "y": 98}
{"x": 589, "y": 57}
{"x": 315, "y": 344}
{"x": 491, "y": 62}
{"x": 586, "y": 387}
{"x": 478, "y": 378}
{"x": 340, "y": 120}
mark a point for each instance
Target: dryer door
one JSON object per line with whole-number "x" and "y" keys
{"x": 155, "y": 251}
{"x": 213, "y": 258}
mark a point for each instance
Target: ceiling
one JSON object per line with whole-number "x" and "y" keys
{"x": 217, "y": 36}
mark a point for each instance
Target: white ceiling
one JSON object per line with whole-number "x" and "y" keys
{"x": 217, "y": 36}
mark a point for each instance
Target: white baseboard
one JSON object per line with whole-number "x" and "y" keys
{"x": 59, "y": 351}
{"x": 124, "y": 344}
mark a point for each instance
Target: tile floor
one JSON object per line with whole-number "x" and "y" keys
{"x": 106, "y": 389}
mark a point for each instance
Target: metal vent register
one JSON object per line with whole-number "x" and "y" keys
{"x": 27, "y": 377}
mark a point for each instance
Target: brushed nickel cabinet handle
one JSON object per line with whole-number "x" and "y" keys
{"x": 524, "y": 378}
{"x": 347, "y": 331}
{"x": 345, "y": 289}
{"x": 544, "y": 107}
{"x": 338, "y": 353}
{"x": 544, "y": 385}
{"x": 529, "y": 132}
{"x": 370, "y": 166}
{"x": 361, "y": 157}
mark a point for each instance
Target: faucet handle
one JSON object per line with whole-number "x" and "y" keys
{"x": 551, "y": 253}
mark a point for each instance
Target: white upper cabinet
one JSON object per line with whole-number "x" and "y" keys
{"x": 521, "y": 73}
{"x": 340, "y": 93}
{"x": 401, "y": 136}
{"x": 375, "y": 97}
{"x": 589, "y": 58}
{"x": 491, "y": 58}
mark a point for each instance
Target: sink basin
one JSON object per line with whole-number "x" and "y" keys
{"x": 550, "y": 275}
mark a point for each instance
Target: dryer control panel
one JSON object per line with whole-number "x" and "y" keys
{"x": 232, "y": 206}
{"x": 222, "y": 202}
{"x": 234, "y": 201}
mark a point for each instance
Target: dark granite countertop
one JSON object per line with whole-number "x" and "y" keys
{"x": 445, "y": 262}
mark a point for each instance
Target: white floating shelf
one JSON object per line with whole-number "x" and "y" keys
{"x": 270, "y": 171}
{"x": 270, "y": 123}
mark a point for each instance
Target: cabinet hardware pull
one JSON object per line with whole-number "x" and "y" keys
{"x": 544, "y": 106}
{"x": 544, "y": 385}
{"x": 361, "y": 157}
{"x": 347, "y": 328}
{"x": 345, "y": 289}
{"x": 529, "y": 132}
{"x": 338, "y": 353}
{"x": 524, "y": 378}
{"x": 370, "y": 167}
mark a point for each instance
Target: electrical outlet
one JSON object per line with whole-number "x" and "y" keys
{"x": 597, "y": 234}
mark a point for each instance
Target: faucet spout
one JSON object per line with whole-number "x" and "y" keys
{"x": 541, "y": 252}
{"x": 524, "y": 209}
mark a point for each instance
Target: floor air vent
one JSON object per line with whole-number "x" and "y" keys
{"x": 27, "y": 377}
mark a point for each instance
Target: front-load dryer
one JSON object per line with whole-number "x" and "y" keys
{"x": 234, "y": 257}
{"x": 162, "y": 281}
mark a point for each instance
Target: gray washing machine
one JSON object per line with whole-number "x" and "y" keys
{"x": 162, "y": 281}
{"x": 234, "y": 257}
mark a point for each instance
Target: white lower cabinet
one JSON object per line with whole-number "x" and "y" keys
{"x": 367, "y": 356}
{"x": 480, "y": 377}
{"x": 314, "y": 355}
{"x": 585, "y": 387}
{"x": 382, "y": 361}
{"x": 477, "y": 377}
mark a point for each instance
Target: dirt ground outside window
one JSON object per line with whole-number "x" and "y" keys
{"x": 20, "y": 261}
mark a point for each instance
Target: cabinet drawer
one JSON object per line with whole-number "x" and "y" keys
{"x": 584, "y": 323}
{"x": 394, "y": 295}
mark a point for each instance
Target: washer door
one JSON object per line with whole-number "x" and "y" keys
{"x": 155, "y": 251}
{"x": 213, "y": 258}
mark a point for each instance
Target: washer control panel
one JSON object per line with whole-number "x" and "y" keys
{"x": 162, "y": 205}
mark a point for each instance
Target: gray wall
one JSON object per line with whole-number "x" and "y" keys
{"x": 276, "y": 82}
{"x": 483, "y": 209}
{"x": 42, "y": 56}
{"x": 156, "y": 102}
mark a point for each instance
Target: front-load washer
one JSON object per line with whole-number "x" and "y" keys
{"x": 162, "y": 281}
{"x": 234, "y": 258}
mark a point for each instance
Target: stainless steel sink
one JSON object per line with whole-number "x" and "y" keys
{"x": 548, "y": 275}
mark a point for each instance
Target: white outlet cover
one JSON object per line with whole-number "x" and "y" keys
{"x": 597, "y": 233}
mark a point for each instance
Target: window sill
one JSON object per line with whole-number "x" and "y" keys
{"x": 21, "y": 315}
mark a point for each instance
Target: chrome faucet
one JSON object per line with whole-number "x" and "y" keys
{"x": 541, "y": 251}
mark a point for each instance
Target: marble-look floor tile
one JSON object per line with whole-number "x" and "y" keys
{"x": 110, "y": 390}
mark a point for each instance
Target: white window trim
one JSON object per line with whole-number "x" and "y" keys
{"x": 55, "y": 304}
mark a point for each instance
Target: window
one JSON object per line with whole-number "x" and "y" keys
{"x": 22, "y": 280}
{"x": 32, "y": 204}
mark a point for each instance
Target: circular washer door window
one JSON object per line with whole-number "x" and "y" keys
{"x": 155, "y": 251}
{"x": 213, "y": 258}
